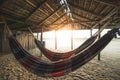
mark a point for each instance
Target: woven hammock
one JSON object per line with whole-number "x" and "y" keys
{"x": 61, "y": 67}
{"x": 55, "y": 56}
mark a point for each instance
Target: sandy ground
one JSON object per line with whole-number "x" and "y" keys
{"x": 106, "y": 69}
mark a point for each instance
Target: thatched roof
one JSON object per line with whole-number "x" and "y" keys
{"x": 52, "y": 14}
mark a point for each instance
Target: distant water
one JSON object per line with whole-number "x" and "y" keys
{"x": 63, "y": 45}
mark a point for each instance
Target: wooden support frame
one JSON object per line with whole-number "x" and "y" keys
{"x": 12, "y": 18}
{"x": 37, "y": 35}
{"x": 115, "y": 10}
{"x": 55, "y": 39}
{"x": 106, "y": 2}
{"x": 99, "y": 56}
{"x": 82, "y": 9}
{"x": 28, "y": 41}
{"x": 58, "y": 18}
{"x": 91, "y": 32}
{"x": 71, "y": 39}
{"x": 80, "y": 23}
{"x": 82, "y": 16}
{"x": 41, "y": 35}
{"x": 51, "y": 15}
{"x": 35, "y": 10}
{"x": 2, "y": 2}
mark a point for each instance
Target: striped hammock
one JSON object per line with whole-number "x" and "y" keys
{"x": 55, "y": 56}
{"x": 61, "y": 67}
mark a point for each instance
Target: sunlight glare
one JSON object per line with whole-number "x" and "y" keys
{"x": 63, "y": 33}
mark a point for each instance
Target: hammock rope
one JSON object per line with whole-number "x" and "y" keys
{"x": 61, "y": 67}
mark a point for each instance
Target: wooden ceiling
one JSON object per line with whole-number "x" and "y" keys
{"x": 51, "y": 15}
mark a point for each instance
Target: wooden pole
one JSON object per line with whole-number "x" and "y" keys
{"x": 37, "y": 35}
{"x": 55, "y": 39}
{"x": 41, "y": 39}
{"x": 28, "y": 42}
{"x": 99, "y": 56}
{"x": 71, "y": 39}
{"x": 41, "y": 35}
{"x": 91, "y": 32}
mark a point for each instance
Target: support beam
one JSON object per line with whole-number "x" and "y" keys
{"x": 81, "y": 23}
{"x": 71, "y": 39}
{"x": 35, "y": 9}
{"x": 41, "y": 35}
{"x": 87, "y": 11}
{"x": 91, "y": 32}
{"x": 37, "y": 35}
{"x": 55, "y": 39}
{"x": 50, "y": 15}
{"x": 58, "y": 19}
{"x": 51, "y": 9}
{"x": 106, "y": 2}
{"x": 99, "y": 38}
{"x": 2, "y": 2}
{"x": 11, "y": 17}
{"x": 114, "y": 11}
{"x": 28, "y": 41}
{"x": 82, "y": 16}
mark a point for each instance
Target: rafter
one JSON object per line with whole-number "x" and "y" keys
{"x": 106, "y": 2}
{"x": 2, "y": 2}
{"x": 82, "y": 16}
{"x": 50, "y": 15}
{"x": 83, "y": 25}
{"x": 58, "y": 18}
{"x": 114, "y": 11}
{"x": 12, "y": 18}
{"x": 35, "y": 9}
{"x": 78, "y": 21}
{"x": 82, "y": 9}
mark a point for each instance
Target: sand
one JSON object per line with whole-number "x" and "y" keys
{"x": 106, "y": 69}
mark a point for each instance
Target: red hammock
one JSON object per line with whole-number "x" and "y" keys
{"x": 59, "y": 68}
{"x": 55, "y": 56}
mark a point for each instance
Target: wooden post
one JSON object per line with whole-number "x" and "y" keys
{"x": 55, "y": 39}
{"x": 71, "y": 39}
{"x": 41, "y": 35}
{"x": 41, "y": 39}
{"x": 1, "y": 34}
{"x": 37, "y": 35}
{"x": 99, "y": 38}
{"x": 91, "y": 32}
{"x": 28, "y": 42}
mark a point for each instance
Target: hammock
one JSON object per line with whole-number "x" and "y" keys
{"x": 61, "y": 67}
{"x": 55, "y": 56}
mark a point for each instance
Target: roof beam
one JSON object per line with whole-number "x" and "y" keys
{"x": 12, "y": 18}
{"x": 82, "y": 16}
{"x": 35, "y": 9}
{"x": 48, "y": 16}
{"x": 106, "y": 2}
{"x": 58, "y": 18}
{"x": 2, "y": 2}
{"x": 78, "y": 21}
{"x": 82, "y": 9}
{"x": 83, "y": 25}
{"x": 113, "y": 12}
